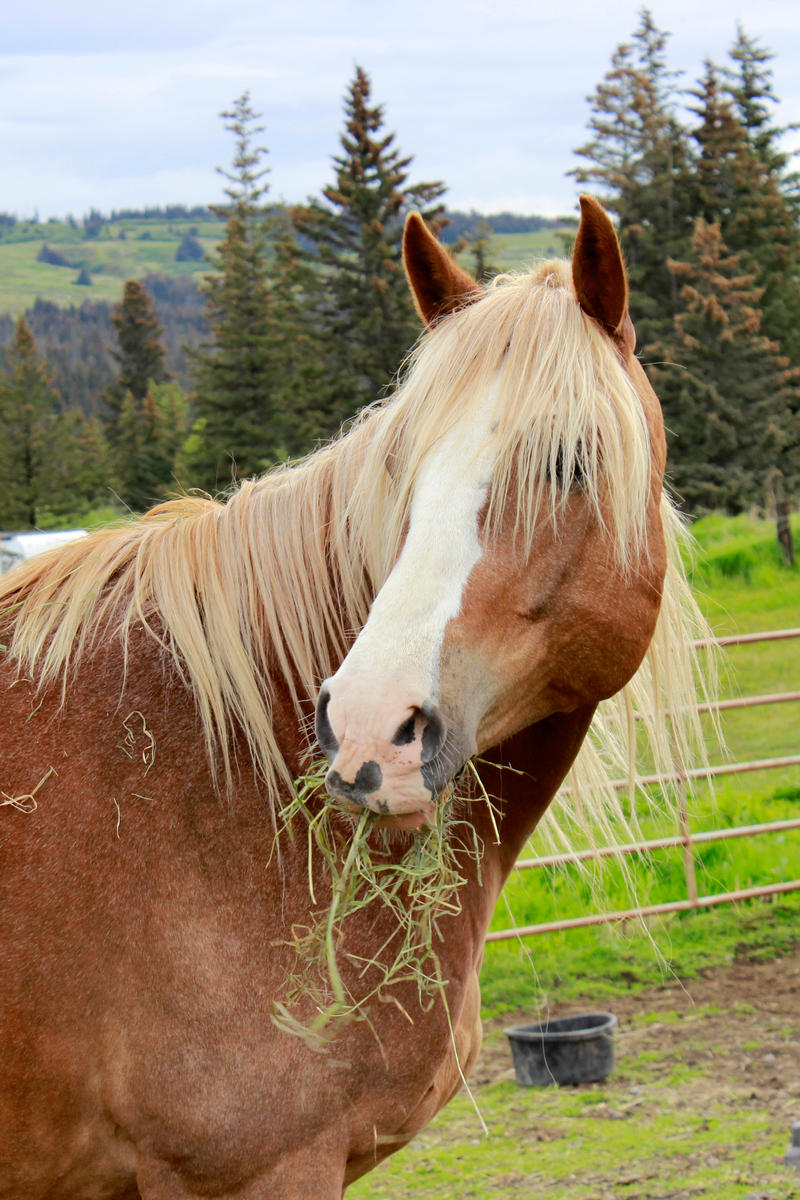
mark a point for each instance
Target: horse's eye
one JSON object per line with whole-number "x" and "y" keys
{"x": 566, "y": 472}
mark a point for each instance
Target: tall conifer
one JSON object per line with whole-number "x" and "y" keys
{"x": 362, "y": 306}
{"x": 301, "y": 369}
{"x": 637, "y": 162}
{"x": 41, "y": 450}
{"x": 727, "y": 400}
{"x": 238, "y": 424}
{"x": 735, "y": 187}
{"x": 140, "y": 350}
{"x": 773, "y": 236}
{"x": 150, "y": 434}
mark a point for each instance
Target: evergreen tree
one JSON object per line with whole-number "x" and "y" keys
{"x": 140, "y": 353}
{"x": 238, "y": 425}
{"x": 637, "y": 162}
{"x": 298, "y": 346}
{"x": 477, "y": 244}
{"x": 362, "y": 306}
{"x": 189, "y": 249}
{"x": 772, "y": 237}
{"x": 729, "y": 397}
{"x": 749, "y": 83}
{"x": 40, "y": 450}
{"x": 150, "y": 434}
{"x": 87, "y": 466}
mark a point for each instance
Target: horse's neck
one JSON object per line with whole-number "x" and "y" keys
{"x": 522, "y": 776}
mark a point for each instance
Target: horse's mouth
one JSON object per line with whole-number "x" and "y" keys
{"x": 420, "y": 819}
{"x": 403, "y": 822}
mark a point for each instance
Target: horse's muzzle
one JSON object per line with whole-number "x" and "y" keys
{"x": 398, "y": 771}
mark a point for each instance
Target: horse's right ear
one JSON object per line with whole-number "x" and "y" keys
{"x": 437, "y": 284}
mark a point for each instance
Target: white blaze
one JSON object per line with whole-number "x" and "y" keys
{"x": 402, "y": 638}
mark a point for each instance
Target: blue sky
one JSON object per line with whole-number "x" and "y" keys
{"x": 118, "y": 107}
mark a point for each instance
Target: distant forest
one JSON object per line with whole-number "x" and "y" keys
{"x": 78, "y": 341}
{"x": 457, "y": 223}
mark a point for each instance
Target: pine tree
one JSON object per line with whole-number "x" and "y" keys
{"x": 151, "y": 432}
{"x": 477, "y": 245}
{"x": 735, "y": 188}
{"x": 637, "y": 162}
{"x": 40, "y": 446}
{"x": 773, "y": 237}
{"x": 362, "y": 305}
{"x": 728, "y": 399}
{"x": 749, "y": 83}
{"x": 298, "y": 346}
{"x": 238, "y": 426}
{"x": 88, "y": 465}
{"x": 140, "y": 352}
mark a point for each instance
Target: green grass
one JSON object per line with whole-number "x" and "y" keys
{"x": 510, "y": 251}
{"x": 605, "y": 1141}
{"x": 147, "y": 247}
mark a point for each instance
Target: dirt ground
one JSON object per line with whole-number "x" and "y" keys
{"x": 743, "y": 1018}
{"x": 700, "y": 1105}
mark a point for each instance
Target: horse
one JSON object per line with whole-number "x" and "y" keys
{"x": 484, "y": 564}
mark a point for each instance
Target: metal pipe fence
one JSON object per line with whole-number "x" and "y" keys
{"x": 686, "y": 838}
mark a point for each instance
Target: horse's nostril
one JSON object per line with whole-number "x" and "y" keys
{"x": 434, "y": 733}
{"x": 407, "y": 731}
{"x": 324, "y": 730}
{"x": 425, "y": 723}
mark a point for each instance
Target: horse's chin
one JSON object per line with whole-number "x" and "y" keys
{"x": 403, "y": 822}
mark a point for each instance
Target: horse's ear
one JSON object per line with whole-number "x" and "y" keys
{"x": 437, "y": 284}
{"x": 598, "y": 271}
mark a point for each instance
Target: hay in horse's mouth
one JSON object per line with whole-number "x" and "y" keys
{"x": 409, "y": 894}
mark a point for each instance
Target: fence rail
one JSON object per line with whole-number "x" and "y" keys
{"x": 686, "y": 838}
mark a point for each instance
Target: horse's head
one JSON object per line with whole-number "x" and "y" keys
{"x": 530, "y": 574}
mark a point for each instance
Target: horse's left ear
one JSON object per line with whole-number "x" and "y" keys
{"x": 598, "y": 271}
{"x": 437, "y": 284}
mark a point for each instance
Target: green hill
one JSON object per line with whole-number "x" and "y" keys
{"x": 111, "y": 250}
{"x": 122, "y": 248}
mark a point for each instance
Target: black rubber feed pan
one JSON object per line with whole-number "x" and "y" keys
{"x": 576, "y": 1049}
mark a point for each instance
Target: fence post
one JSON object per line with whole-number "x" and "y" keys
{"x": 686, "y": 838}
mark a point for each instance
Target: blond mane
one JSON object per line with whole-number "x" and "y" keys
{"x": 275, "y": 582}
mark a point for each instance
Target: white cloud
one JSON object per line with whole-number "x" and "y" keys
{"x": 109, "y": 107}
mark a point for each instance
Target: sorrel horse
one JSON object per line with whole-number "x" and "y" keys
{"x": 498, "y": 533}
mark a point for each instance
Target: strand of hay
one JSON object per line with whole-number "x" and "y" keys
{"x": 132, "y": 735}
{"x": 418, "y": 890}
{"x": 26, "y": 803}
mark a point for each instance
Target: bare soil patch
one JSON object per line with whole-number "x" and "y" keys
{"x": 744, "y": 1019}
{"x": 736, "y": 1030}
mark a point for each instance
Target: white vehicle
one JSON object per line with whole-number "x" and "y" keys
{"x": 17, "y": 547}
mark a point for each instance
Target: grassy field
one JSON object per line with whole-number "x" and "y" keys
{"x": 123, "y": 250}
{"x": 706, "y": 1089}
{"x": 508, "y": 251}
{"x": 700, "y": 1104}
{"x": 131, "y": 249}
